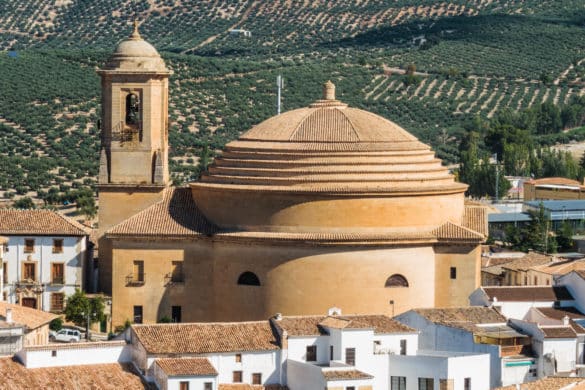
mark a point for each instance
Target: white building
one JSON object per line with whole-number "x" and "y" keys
{"x": 334, "y": 352}
{"x": 515, "y": 302}
{"x": 44, "y": 259}
{"x": 476, "y": 330}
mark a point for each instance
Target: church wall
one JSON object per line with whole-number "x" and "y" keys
{"x": 309, "y": 280}
{"x": 158, "y": 293}
{"x": 311, "y": 212}
{"x": 467, "y": 262}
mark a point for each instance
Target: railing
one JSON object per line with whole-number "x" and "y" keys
{"x": 171, "y": 278}
{"x": 513, "y": 350}
{"x": 135, "y": 279}
{"x": 123, "y": 133}
{"x": 58, "y": 280}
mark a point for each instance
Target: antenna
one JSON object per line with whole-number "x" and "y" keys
{"x": 279, "y": 86}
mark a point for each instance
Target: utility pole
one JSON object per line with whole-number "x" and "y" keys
{"x": 279, "y": 86}
{"x": 497, "y": 178}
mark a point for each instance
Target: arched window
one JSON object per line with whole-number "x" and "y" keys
{"x": 132, "y": 109}
{"x": 249, "y": 279}
{"x": 396, "y": 280}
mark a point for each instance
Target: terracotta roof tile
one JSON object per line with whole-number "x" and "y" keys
{"x": 14, "y": 375}
{"x": 475, "y": 218}
{"x": 199, "y": 338}
{"x": 551, "y": 383}
{"x": 175, "y": 215}
{"x": 560, "y": 267}
{"x": 313, "y": 325}
{"x": 31, "y": 318}
{"x": 186, "y": 367}
{"x": 555, "y": 180}
{"x": 39, "y": 222}
{"x": 558, "y": 332}
{"x": 528, "y": 293}
{"x": 340, "y": 375}
{"x": 463, "y": 317}
{"x": 528, "y": 261}
{"x": 451, "y": 232}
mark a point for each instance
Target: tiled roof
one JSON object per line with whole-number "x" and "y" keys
{"x": 39, "y": 222}
{"x": 342, "y": 375}
{"x": 528, "y": 293}
{"x": 552, "y": 383}
{"x": 558, "y": 332}
{"x": 530, "y": 260}
{"x": 176, "y": 215}
{"x": 554, "y": 180}
{"x": 462, "y": 317}
{"x": 313, "y": 325}
{"x": 31, "y": 318}
{"x": 14, "y": 375}
{"x": 197, "y": 338}
{"x": 82, "y": 345}
{"x": 581, "y": 273}
{"x": 451, "y": 232}
{"x": 560, "y": 267}
{"x": 475, "y": 218}
{"x": 186, "y": 367}
{"x": 560, "y": 313}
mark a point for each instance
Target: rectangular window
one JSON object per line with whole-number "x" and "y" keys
{"x": 256, "y": 379}
{"x": 176, "y": 313}
{"x": 54, "y": 353}
{"x": 138, "y": 314}
{"x": 138, "y": 271}
{"x": 29, "y": 245}
{"x": 208, "y": 386}
{"x": 6, "y": 248}
{"x": 4, "y": 296}
{"x": 350, "y": 356}
{"x": 237, "y": 377}
{"x": 426, "y": 384}
{"x": 5, "y": 272}
{"x": 398, "y": 383}
{"x": 350, "y": 388}
{"x": 184, "y": 385}
{"x": 467, "y": 384}
{"x": 331, "y": 352}
{"x": 311, "y": 353}
{"x": 238, "y": 357}
{"x": 58, "y": 273}
{"x": 535, "y": 281}
{"x": 403, "y": 347}
{"x": 57, "y": 245}
{"x": 57, "y": 301}
{"x": 177, "y": 272}
{"x": 453, "y": 273}
{"x": 29, "y": 271}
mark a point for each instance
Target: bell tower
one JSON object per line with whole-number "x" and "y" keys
{"x": 133, "y": 170}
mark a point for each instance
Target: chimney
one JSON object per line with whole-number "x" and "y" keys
{"x": 334, "y": 311}
{"x": 9, "y": 316}
{"x": 566, "y": 320}
{"x": 278, "y": 316}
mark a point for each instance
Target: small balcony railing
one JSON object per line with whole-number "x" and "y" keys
{"x": 58, "y": 280}
{"x": 135, "y": 279}
{"x": 175, "y": 278}
{"x": 515, "y": 350}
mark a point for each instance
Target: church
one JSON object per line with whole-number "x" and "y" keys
{"x": 319, "y": 207}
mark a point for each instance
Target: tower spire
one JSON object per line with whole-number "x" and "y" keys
{"x": 135, "y": 34}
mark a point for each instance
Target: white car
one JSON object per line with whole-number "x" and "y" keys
{"x": 66, "y": 335}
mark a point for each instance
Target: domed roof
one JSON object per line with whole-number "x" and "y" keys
{"x": 137, "y": 55}
{"x": 327, "y": 147}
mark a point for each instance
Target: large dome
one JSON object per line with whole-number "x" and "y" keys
{"x": 135, "y": 54}
{"x": 326, "y": 150}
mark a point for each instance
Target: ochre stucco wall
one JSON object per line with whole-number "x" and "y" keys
{"x": 467, "y": 261}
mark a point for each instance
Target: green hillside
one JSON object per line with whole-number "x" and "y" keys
{"x": 472, "y": 58}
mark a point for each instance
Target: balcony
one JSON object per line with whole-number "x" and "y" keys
{"x": 58, "y": 281}
{"x": 515, "y": 350}
{"x": 135, "y": 280}
{"x": 174, "y": 278}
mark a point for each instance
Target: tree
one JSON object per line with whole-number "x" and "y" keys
{"x": 78, "y": 306}
{"x": 86, "y": 206}
{"x": 24, "y": 203}
{"x": 565, "y": 237}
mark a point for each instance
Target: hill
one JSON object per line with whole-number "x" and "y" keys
{"x": 472, "y": 58}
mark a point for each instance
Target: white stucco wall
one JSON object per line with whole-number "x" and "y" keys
{"x": 442, "y": 365}
{"x": 76, "y": 354}
{"x": 196, "y": 383}
{"x": 304, "y": 376}
{"x": 297, "y": 348}
{"x": 576, "y": 286}
{"x": 73, "y": 257}
{"x": 564, "y": 352}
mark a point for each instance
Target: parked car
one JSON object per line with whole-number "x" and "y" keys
{"x": 66, "y": 335}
